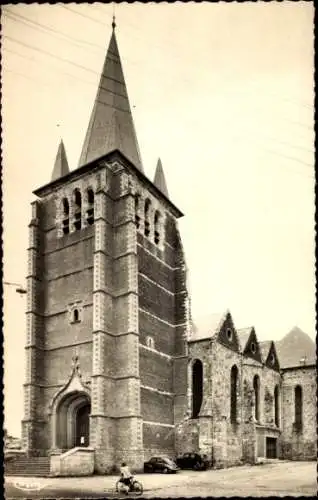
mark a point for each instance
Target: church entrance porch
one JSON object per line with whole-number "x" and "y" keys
{"x": 72, "y": 416}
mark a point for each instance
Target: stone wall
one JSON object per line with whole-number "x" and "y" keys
{"x": 75, "y": 462}
{"x": 299, "y": 444}
{"x": 162, "y": 322}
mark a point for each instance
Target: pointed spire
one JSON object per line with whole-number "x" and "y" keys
{"x": 160, "y": 181}
{"x": 61, "y": 165}
{"x": 111, "y": 124}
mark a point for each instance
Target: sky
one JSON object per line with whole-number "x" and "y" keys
{"x": 223, "y": 94}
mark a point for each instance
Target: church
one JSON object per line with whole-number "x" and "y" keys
{"x": 116, "y": 367}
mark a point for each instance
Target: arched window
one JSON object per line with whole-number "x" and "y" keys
{"x": 66, "y": 216}
{"x": 157, "y": 226}
{"x": 197, "y": 387}
{"x": 147, "y": 224}
{"x": 229, "y": 333}
{"x": 276, "y": 406}
{"x": 256, "y": 387}
{"x": 234, "y": 377}
{"x": 77, "y": 209}
{"x": 298, "y": 406}
{"x": 75, "y": 315}
{"x": 90, "y": 207}
{"x": 137, "y": 218}
{"x": 150, "y": 342}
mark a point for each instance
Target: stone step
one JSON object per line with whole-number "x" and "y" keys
{"x": 28, "y": 466}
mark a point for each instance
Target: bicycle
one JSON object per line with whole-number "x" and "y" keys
{"x": 134, "y": 487}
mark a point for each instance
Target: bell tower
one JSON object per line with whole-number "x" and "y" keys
{"x": 106, "y": 289}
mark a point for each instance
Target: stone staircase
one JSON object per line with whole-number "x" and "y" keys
{"x": 22, "y": 465}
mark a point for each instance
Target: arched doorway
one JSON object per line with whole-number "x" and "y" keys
{"x": 72, "y": 414}
{"x": 81, "y": 420}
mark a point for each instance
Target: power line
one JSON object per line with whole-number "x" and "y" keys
{"x": 79, "y": 41}
{"x": 114, "y": 93}
{"x": 92, "y": 83}
{"x": 83, "y": 15}
{"x": 271, "y": 151}
{"x": 7, "y": 70}
{"x": 78, "y": 79}
{"x": 265, "y": 149}
{"x": 125, "y": 110}
{"x": 50, "y": 54}
{"x": 285, "y": 143}
{"x": 38, "y": 26}
{"x": 97, "y": 73}
{"x": 37, "y": 62}
{"x": 169, "y": 41}
{"x": 89, "y": 83}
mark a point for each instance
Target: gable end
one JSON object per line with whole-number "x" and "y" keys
{"x": 227, "y": 334}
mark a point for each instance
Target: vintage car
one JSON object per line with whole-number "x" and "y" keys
{"x": 161, "y": 464}
{"x": 192, "y": 461}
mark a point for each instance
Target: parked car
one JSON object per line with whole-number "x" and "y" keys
{"x": 161, "y": 464}
{"x": 193, "y": 461}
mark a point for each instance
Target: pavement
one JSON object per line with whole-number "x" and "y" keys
{"x": 279, "y": 478}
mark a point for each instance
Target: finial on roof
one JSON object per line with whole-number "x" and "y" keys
{"x": 114, "y": 22}
{"x": 111, "y": 125}
{"x": 159, "y": 180}
{"x": 61, "y": 167}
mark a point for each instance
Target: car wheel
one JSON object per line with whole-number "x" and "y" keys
{"x": 165, "y": 470}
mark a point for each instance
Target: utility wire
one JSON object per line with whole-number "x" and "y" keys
{"x": 170, "y": 41}
{"x": 8, "y": 70}
{"x": 50, "y": 54}
{"x": 53, "y": 68}
{"x": 48, "y": 30}
{"x": 264, "y": 149}
{"x": 79, "y": 41}
{"x": 121, "y": 95}
{"x": 271, "y": 151}
{"x": 68, "y": 61}
{"x": 127, "y": 111}
{"x": 91, "y": 83}
{"x": 83, "y": 15}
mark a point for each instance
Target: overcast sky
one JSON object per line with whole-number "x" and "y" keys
{"x": 223, "y": 93}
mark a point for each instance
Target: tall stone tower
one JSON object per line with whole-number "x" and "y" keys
{"x": 107, "y": 301}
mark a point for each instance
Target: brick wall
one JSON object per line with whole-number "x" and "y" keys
{"x": 155, "y": 370}
{"x": 156, "y": 407}
{"x": 58, "y": 364}
{"x": 161, "y": 332}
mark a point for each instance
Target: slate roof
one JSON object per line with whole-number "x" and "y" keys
{"x": 207, "y": 326}
{"x": 159, "y": 180}
{"x": 264, "y": 348}
{"x": 61, "y": 167}
{"x": 244, "y": 334}
{"x": 111, "y": 124}
{"x": 295, "y": 346}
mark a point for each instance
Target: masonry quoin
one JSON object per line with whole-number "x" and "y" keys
{"x": 116, "y": 368}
